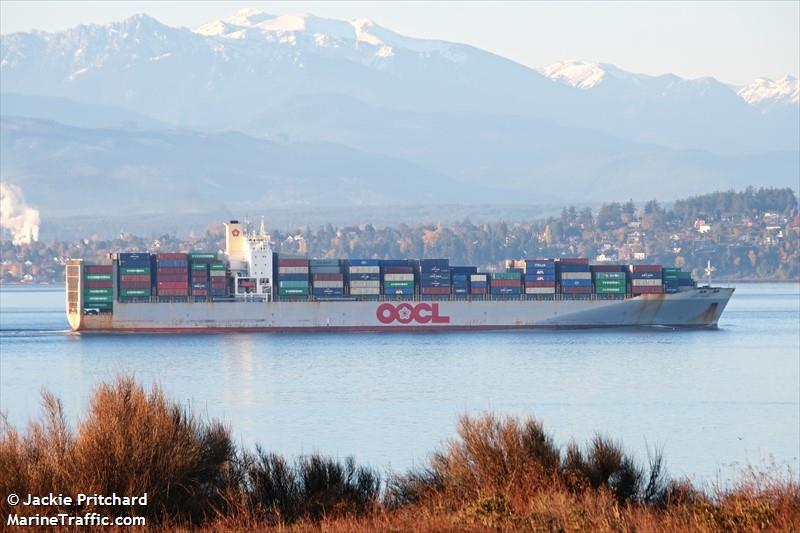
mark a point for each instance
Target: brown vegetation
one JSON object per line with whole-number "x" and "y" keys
{"x": 499, "y": 474}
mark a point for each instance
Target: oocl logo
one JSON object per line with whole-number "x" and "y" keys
{"x": 405, "y": 313}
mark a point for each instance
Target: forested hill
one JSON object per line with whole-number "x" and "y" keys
{"x": 749, "y": 235}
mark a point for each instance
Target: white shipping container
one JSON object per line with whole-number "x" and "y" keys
{"x": 576, "y": 275}
{"x": 365, "y": 270}
{"x": 540, "y": 290}
{"x": 218, "y": 273}
{"x": 646, "y": 282}
{"x": 362, "y": 291}
{"x": 477, "y": 277}
{"x": 328, "y": 284}
{"x": 398, "y": 277}
{"x": 293, "y": 270}
{"x": 365, "y": 283}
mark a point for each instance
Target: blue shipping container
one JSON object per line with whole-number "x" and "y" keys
{"x": 293, "y": 277}
{"x": 134, "y": 259}
{"x": 573, "y": 268}
{"x": 576, "y": 283}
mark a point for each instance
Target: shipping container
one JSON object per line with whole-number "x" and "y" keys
{"x": 576, "y": 275}
{"x": 98, "y": 269}
{"x": 645, "y": 268}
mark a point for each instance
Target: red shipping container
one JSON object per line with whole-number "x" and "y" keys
{"x": 398, "y": 270}
{"x": 173, "y": 292}
{"x": 540, "y": 283}
{"x": 103, "y": 284}
{"x": 573, "y": 260}
{"x": 134, "y": 277}
{"x": 98, "y": 269}
{"x": 328, "y": 277}
{"x": 172, "y": 270}
{"x": 199, "y": 292}
{"x": 172, "y": 256}
{"x": 172, "y": 277}
{"x": 292, "y": 262}
{"x": 646, "y": 289}
{"x": 435, "y": 290}
{"x": 608, "y": 268}
{"x": 506, "y": 283}
{"x": 478, "y": 290}
{"x": 173, "y": 285}
{"x": 134, "y": 285}
{"x": 645, "y": 268}
{"x": 247, "y": 283}
{"x": 219, "y": 282}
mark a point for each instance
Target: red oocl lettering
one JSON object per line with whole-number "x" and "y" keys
{"x": 405, "y": 313}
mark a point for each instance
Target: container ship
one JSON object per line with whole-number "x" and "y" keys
{"x": 248, "y": 287}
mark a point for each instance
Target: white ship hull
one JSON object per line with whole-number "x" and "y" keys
{"x": 695, "y": 308}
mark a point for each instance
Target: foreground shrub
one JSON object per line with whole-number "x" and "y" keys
{"x": 132, "y": 442}
{"x": 313, "y": 488}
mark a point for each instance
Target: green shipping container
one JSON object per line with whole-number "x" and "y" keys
{"x": 292, "y": 292}
{"x": 97, "y": 277}
{"x": 92, "y": 298}
{"x": 506, "y": 275}
{"x": 609, "y": 275}
{"x": 201, "y": 266}
{"x": 202, "y": 255}
{"x": 609, "y": 283}
{"x": 217, "y": 266}
{"x": 398, "y": 284}
{"x": 134, "y": 270}
{"x": 98, "y": 292}
{"x": 140, "y": 293}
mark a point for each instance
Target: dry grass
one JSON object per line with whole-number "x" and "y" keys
{"x": 501, "y": 474}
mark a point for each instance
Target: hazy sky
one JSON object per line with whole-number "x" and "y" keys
{"x": 732, "y": 41}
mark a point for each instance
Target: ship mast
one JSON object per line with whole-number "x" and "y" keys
{"x": 709, "y": 269}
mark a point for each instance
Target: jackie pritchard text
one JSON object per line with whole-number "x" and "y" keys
{"x": 60, "y": 500}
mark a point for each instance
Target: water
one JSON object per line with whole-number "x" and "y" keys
{"x": 715, "y": 400}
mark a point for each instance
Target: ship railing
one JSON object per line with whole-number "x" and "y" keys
{"x": 260, "y": 298}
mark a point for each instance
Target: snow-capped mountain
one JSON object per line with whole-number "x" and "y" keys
{"x": 434, "y": 108}
{"x": 584, "y": 75}
{"x": 764, "y": 92}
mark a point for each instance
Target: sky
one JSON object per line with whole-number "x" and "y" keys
{"x": 734, "y": 42}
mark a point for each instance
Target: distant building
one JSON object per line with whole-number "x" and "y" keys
{"x": 702, "y": 226}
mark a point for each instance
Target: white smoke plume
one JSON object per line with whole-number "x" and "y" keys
{"x": 21, "y": 221}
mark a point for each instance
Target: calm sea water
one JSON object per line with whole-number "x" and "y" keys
{"x": 715, "y": 400}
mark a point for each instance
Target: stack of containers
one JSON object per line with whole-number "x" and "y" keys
{"x": 671, "y": 279}
{"x": 685, "y": 280}
{"x": 365, "y": 277}
{"x": 398, "y": 278}
{"x": 218, "y": 279}
{"x": 434, "y": 277}
{"x": 575, "y": 276}
{"x": 478, "y": 284}
{"x": 200, "y": 281}
{"x": 327, "y": 280}
{"x": 610, "y": 281}
{"x": 540, "y": 277}
{"x": 98, "y": 287}
{"x": 459, "y": 279}
{"x": 507, "y": 283}
{"x": 646, "y": 279}
{"x": 172, "y": 274}
{"x": 135, "y": 279}
{"x": 292, "y": 277}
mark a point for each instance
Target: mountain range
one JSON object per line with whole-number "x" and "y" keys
{"x": 306, "y": 110}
